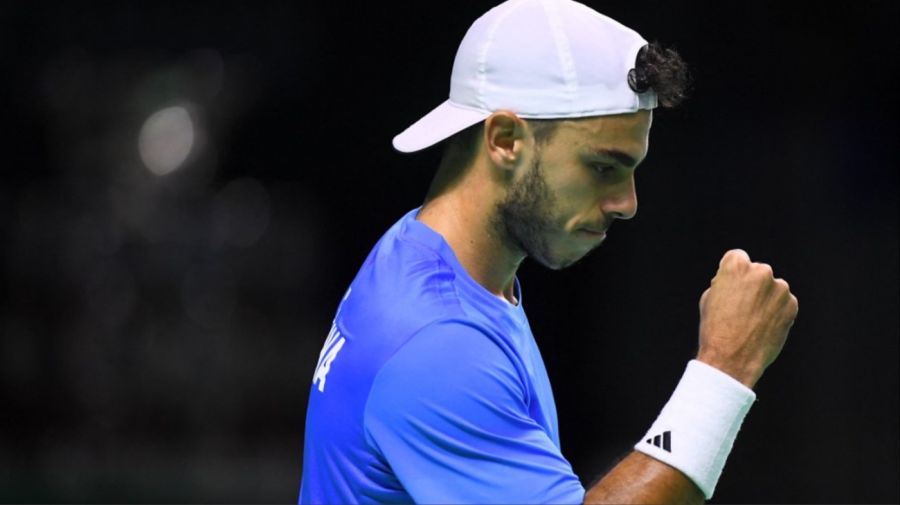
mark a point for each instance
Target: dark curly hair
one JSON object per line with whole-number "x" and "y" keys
{"x": 656, "y": 68}
{"x": 662, "y": 70}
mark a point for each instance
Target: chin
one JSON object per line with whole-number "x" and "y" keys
{"x": 558, "y": 263}
{"x": 558, "y": 254}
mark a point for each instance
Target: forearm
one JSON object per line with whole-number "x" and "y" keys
{"x": 680, "y": 458}
{"x": 745, "y": 317}
{"x": 642, "y": 479}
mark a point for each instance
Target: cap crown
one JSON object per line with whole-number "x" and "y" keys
{"x": 547, "y": 58}
{"x": 539, "y": 59}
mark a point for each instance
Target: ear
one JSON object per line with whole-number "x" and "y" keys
{"x": 505, "y": 136}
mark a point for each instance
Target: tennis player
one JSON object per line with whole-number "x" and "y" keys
{"x": 430, "y": 387}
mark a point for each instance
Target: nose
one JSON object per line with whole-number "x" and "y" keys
{"x": 621, "y": 202}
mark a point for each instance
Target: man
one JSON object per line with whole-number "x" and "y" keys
{"x": 430, "y": 387}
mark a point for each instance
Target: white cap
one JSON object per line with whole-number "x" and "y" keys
{"x": 540, "y": 59}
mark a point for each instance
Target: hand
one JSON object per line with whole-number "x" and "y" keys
{"x": 745, "y": 316}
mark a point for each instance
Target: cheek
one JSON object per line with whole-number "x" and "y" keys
{"x": 572, "y": 183}
{"x": 575, "y": 204}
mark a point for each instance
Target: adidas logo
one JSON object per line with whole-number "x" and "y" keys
{"x": 663, "y": 441}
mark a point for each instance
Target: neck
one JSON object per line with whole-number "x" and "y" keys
{"x": 463, "y": 215}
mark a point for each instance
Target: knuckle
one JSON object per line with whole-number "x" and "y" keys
{"x": 783, "y": 286}
{"x": 764, "y": 269}
{"x": 734, "y": 257}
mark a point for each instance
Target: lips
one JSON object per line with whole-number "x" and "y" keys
{"x": 599, "y": 229}
{"x": 593, "y": 233}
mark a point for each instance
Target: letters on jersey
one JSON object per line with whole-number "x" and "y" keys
{"x": 333, "y": 345}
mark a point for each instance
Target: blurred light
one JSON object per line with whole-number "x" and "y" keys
{"x": 241, "y": 212}
{"x": 166, "y": 140}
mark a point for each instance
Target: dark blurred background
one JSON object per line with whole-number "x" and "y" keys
{"x": 188, "y": 188}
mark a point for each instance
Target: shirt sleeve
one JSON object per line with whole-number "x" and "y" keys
{"x": 449, "y": 414}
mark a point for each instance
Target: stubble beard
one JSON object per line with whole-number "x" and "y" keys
{"x": 524, "y": 219}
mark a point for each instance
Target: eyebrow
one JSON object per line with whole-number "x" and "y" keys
{"x": 620, "y": 156}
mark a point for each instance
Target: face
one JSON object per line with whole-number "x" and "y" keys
{"x": 573, "y": 187}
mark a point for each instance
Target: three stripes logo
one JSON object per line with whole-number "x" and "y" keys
{"x": 663, "y": 441}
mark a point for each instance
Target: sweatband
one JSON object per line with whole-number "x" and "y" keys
{"x": 696, "y": 429}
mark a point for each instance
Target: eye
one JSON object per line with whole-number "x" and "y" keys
{"x": 604, "y": 169}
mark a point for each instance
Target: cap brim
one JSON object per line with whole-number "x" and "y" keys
{"x": 439, "y": 124}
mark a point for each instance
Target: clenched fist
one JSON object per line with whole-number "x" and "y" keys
{"x": 745, "y": 316}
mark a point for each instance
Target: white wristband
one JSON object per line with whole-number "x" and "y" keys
{"x": 696, "y": 429}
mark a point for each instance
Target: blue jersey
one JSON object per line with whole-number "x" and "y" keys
{"x": 430, "y": 389}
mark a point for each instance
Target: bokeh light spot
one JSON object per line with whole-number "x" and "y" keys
{"x": 166, "y": 139}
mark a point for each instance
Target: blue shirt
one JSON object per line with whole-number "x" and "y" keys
{"x": 430, "y": 389}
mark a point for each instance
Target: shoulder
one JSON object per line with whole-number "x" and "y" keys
{"x": 460, "y": 348}
{"x": 450, "y": 363}
{"x": 402, "y": 287}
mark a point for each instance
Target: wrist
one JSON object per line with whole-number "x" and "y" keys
{"x": 747, "y": 374}
{"x": 696, "y": 429}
